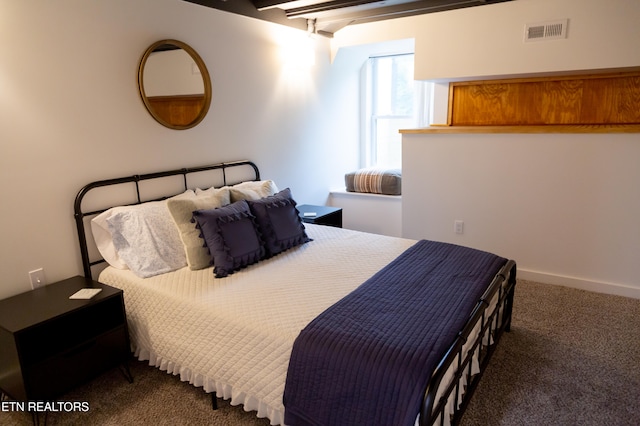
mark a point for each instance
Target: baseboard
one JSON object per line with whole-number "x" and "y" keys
{"x": 582, "y": 284}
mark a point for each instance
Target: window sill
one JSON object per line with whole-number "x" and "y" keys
{"x": 364, "y": 195}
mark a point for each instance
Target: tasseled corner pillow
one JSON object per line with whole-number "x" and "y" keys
{"x": 230, "y": 233}
{"x": 279, "y": 222}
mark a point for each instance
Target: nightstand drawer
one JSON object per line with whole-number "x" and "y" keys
{"x": 67, "y": 331}
{"x": 59, "y": 373}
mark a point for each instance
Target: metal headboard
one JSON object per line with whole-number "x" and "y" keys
{"x": 80, "y": 215}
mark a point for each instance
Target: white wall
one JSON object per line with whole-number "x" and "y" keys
{"x": 573, "y": 198}
{"x": 487, "y": 41}
{"x": 564, "y": 206}
{"x": 375, "y": 213}
{"x": 70, "y": 113}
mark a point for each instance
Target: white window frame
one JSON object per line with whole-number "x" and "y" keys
{"x": 422, "y": 107}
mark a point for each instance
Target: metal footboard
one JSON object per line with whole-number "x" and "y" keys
{"x": 492, "y": 319}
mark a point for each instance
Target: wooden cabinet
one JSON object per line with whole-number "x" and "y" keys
{"x": 582, "y": 100}
{"x": 50, "y": 343}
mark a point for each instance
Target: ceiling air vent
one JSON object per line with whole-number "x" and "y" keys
{"x": 549, "y": 30}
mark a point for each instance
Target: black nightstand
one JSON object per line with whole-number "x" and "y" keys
{"x": 324, "y": 215}
{"x": 50, "y": 343}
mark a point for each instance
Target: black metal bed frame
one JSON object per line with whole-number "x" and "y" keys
{"x": 79, "y": 215}
{"x": 493, "y": 324}
{"x": 433, "y": 410}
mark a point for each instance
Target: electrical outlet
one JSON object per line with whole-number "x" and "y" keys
{"x": 458, "y": 226}
{"x": 37, "y": 278}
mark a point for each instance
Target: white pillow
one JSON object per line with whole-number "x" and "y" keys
{"x": 103, "y": 240}
{"x": 102, "y": 235}
{"x": 208, "y": 191}
{"x": 252, "y": 190}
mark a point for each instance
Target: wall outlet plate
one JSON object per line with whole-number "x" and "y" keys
{"x": 37, "y": 278}
{"x": 458, "y": 227}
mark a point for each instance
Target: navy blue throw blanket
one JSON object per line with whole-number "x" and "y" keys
{"x": 368, "y": 358}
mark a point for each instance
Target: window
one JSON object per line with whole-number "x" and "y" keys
{"x": 392, "y": 101}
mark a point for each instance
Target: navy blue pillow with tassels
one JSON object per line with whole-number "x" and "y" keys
{"x": 279, "y": 222}
{"x": 232, "y": 237}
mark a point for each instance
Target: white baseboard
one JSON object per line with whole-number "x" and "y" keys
{"x": 582, "y": 284}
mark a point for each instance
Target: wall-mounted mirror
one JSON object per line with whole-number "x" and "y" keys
{"x": 174, "y": 84}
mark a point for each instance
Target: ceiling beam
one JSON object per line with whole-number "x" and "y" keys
{"x": 332, "y": 15}
{"x": 247, "y": 8}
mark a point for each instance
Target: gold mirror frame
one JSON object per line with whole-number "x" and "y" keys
{"x": 178, "y": 106}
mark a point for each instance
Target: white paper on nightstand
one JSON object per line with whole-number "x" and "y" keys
{"x": 85, "y": 293}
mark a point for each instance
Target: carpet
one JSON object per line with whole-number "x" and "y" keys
{"x": 572, "y": 358}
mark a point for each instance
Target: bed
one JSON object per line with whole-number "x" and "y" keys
{"x": 238, "y": 331}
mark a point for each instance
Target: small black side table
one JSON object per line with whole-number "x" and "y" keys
{"x": 324, "y": 215}
{"x": 50, "y": 343}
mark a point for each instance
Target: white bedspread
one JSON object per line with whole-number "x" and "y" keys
{"x": 234, "y": 335}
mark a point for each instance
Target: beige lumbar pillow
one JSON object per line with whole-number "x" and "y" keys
{"x": 182, "y": 212}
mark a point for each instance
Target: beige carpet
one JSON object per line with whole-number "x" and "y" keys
{"x": 572, "y": 358}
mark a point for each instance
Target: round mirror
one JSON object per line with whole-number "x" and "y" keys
{"x": 174, "y": 84}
